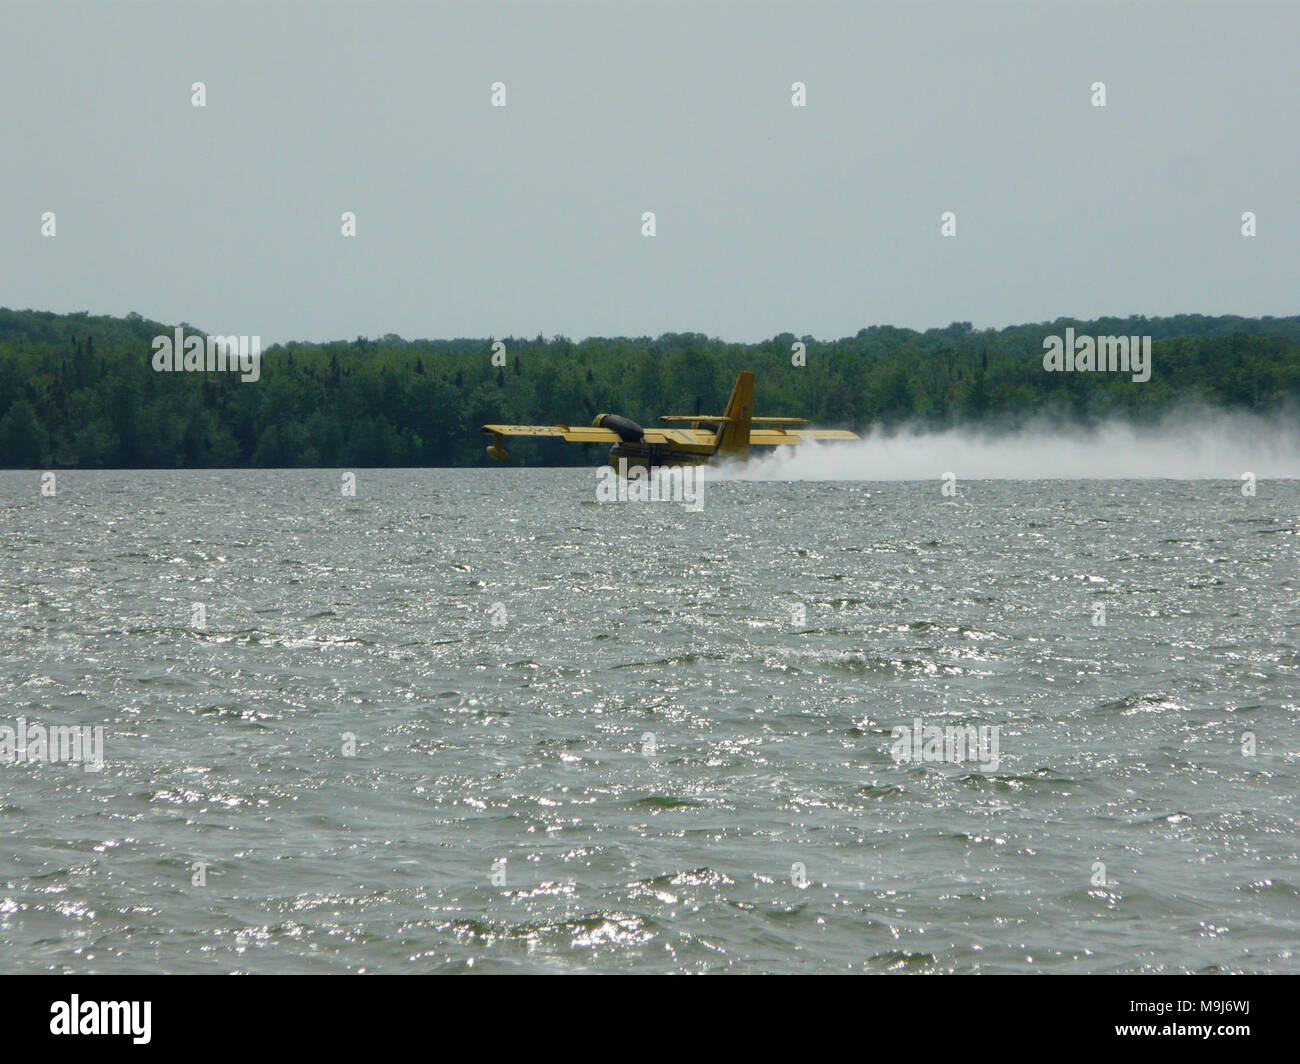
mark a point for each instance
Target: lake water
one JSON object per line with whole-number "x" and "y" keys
{"x": 473, "y": 720}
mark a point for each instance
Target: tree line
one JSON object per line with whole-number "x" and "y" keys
{"x": 79, "y": 391}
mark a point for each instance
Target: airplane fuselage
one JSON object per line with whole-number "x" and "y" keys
{"x": 655, "y": 455}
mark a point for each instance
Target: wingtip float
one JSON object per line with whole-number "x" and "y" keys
{"x": 708, "y": 438}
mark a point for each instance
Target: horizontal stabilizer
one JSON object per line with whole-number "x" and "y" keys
{"x": 694, "y": 420}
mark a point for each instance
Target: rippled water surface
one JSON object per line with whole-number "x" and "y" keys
{"x": 673, "y": 727}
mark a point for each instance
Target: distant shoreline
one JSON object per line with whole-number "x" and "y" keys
{"x": 79, "y": 391}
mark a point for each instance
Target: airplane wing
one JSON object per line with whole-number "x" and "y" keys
{"x": 777, "y": 437}
{"x": 571, "y": 433}
{"x": 695, "y": 436}
{"x": 592, "y": 434}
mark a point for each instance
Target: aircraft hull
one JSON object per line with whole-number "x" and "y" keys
{"x": 624, "y": 456}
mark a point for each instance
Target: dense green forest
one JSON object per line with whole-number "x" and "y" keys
{"x": 80, "y": 391}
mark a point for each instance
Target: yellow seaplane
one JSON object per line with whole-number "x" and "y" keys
{"x": 709, "y": 438}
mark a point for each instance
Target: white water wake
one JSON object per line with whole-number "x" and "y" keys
{"x": 1183, "y": 446}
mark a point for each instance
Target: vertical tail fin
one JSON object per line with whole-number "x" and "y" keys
{"x": 733, "y": 441}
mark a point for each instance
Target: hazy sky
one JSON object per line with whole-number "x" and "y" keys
{"x": 480, "y": 221}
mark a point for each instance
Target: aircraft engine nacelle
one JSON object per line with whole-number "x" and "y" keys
{"x": 628, "y": 430}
